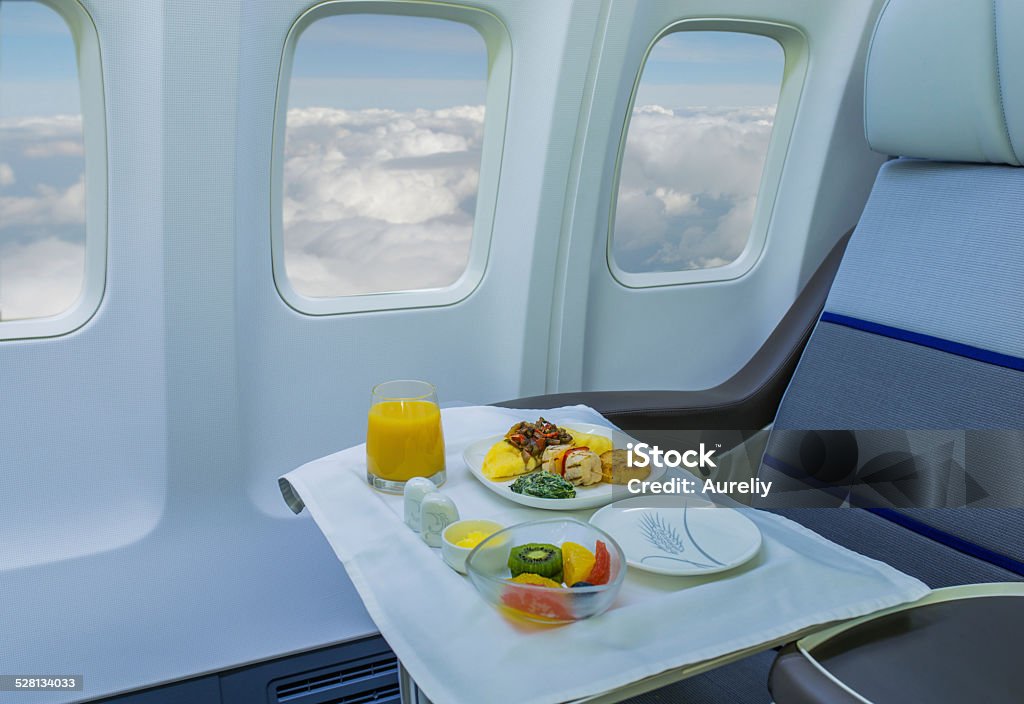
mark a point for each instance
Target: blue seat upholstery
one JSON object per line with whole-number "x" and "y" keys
{"x": 909, "y": 398}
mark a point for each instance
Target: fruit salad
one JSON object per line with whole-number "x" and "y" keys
{"x": 559, "y": 570}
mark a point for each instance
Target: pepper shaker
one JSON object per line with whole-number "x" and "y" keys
{"x": 437, "y": 511}
{"x": 415, "y": 491}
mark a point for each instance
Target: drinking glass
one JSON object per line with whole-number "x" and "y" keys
{"x": 403, "y": 435}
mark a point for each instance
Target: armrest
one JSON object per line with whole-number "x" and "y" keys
{"x": 719, "y": 408}
{"x": 747, "y": 400}
{"x": 955, "y": 645}
{"x": 795, "y": 679}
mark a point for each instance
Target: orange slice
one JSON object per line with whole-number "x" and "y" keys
{"x": 577, "y": 563}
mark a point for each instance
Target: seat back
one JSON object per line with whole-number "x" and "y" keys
{"x": 909, "y": 398}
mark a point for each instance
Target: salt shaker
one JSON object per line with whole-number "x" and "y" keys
{"x": 415, "y": 490}
{"x": 437, "y": 511}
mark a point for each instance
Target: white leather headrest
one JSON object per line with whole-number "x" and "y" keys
{"x": 945, "y": 81}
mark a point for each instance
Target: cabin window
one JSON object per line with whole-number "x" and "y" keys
{"x": 381, "y": 161}
{"x": 43, "y": 201}
{"x": 692, "y": 160}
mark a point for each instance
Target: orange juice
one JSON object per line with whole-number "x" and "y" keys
{"x": 404, "y": 440}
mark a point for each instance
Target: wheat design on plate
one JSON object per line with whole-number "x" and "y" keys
{"x": 663, "y": 536}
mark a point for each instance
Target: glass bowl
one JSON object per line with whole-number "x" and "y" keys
{"x": 487, "y": 566}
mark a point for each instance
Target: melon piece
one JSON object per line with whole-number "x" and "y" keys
{"x": 504, "y": 461}
{"x": 598, "y": 444}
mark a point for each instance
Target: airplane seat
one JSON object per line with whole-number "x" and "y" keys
{"x": 900, "y": 433}
{"x": 914, "y": 376}
{"x": 907, "y": 400}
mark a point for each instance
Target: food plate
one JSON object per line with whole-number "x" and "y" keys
{"x": 586, "y": 496}
{"x": 679, "y": 535}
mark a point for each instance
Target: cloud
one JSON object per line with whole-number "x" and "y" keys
{"x": 30, "y": 130}
{"x": 47, "y": 154}
{"x": 379, "y": 200}
{"x": 39, "y": 278}
{"x": 383, "y": 200}
{"x": 57, "y": 147}
{"x": 42, "y": 215}
{"x": 689, "y": 186}
{"x": 45, "y": 206}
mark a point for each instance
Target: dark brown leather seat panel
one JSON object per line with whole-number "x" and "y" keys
{"x": 966, "y": 650}
{"x": 746, "y": 401}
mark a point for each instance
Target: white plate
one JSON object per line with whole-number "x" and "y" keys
{"x": 586, "y": 496}
{"x": 679, "y": 535}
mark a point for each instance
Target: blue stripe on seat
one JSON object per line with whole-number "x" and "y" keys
{"x": 950, "y": 540}
{"x": 935, "y": 343}
{"x": 931, "y": 532}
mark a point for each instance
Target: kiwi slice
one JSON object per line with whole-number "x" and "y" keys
{"x": 536, "y": 558}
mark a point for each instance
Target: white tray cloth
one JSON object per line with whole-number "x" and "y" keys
{"x": 460, "y": 649}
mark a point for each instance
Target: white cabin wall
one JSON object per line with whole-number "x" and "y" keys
{"x": 200, "y": 110}
{"x": 694, "y": 336}
{"x": 194, "y": 385}
{"x": 83, "y": 416}
{"x": 304, "y": 381}
{"x": 125, "y": 511}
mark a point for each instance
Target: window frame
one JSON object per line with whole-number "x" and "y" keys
{"x": 499, "y": 73}
{"x": 94, "y": 139}
{"x": 793, "y": 43}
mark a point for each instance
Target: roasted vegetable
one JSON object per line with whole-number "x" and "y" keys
{"x": 532, "y": 438}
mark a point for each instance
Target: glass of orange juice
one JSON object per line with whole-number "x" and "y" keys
{"x": 403, "y": 435}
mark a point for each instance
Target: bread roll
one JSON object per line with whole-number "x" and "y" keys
{"x": 615, "y": 468}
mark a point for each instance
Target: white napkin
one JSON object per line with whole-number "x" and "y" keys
{"x": 460, "y": 649}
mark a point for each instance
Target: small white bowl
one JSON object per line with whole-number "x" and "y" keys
{"x": 456, "y": 556}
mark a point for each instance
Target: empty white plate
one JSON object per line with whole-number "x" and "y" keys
{"x": 679, "y": 535}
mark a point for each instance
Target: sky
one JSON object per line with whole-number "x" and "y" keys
{"x": 695, "y": 150}
{"x": 400, "y": 63}
{"x": 42, "y": 166}
{"x": 384, "y": 131}
{"x": 37, "y": 60}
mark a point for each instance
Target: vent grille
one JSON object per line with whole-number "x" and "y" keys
{"x": 317, "y": 685}
{"x": 380, "y": 695}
